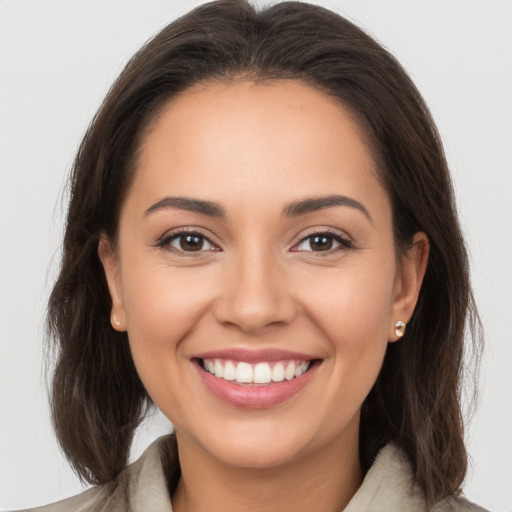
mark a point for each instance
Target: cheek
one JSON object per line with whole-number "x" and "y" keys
{"x": 353, "y": 305}
{"x": 163, "y": 305}
{"x": 159, "y": 316}
{"x": 352, "y": 309}
{"x": 162, "y": 302}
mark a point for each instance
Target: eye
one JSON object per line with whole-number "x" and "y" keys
{"x": 187, "y": 241}
{"x": 323, "y": 242}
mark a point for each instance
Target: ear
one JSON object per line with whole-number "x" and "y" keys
{"x": 410, "y": 274}
{"x": 110, "y": 263}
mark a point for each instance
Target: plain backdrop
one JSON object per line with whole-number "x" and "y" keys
{"x": 57, "y": 59}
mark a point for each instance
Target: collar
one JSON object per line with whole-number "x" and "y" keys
{"x": 388, "y": 485}
{"x": 142, "y": 486}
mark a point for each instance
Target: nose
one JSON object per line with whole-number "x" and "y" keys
{"x": 255, "y": 294}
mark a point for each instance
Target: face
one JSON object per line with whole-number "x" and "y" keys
{"x": 255, "y": 271}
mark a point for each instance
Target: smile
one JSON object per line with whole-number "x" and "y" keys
{"x": 255, "y": 379}
{"x": 243, "y": 372}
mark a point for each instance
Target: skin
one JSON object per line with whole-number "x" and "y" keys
{"x": 254, "y": 148}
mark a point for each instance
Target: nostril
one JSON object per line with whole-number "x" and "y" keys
{"x": 255, "y": 303}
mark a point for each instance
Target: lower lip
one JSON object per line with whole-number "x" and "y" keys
{"x": 256, "y": 396}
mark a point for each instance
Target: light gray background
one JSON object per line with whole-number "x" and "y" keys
{"x": 57, "y": 59}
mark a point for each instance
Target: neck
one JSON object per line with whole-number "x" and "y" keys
{"x": 324, "y": 480}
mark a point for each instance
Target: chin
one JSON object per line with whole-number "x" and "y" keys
{"x": 258, "y": 454}
{"x": 258, "y": 444}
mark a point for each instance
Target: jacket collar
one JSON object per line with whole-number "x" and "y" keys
{"x": 388, "y": 485}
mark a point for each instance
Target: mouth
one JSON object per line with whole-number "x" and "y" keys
{"x": 254, "y": 381}
{"x": 262, "y": 373}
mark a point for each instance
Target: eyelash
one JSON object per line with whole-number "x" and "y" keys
{"x": 165, "y": 241}
{"x": 345, "y": 242}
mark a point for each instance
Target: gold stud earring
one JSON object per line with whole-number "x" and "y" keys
{"x": 399, "y": 328}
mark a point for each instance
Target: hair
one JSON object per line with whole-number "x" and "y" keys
{"x": 97, "y": 397}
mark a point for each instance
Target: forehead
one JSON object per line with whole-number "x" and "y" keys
{"x": 256, "y": 141}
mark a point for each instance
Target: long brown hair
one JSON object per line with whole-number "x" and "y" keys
{"x": 97, "y": 397}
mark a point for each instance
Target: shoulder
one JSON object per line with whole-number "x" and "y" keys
{"x": 389, "y": 485}
{"x": 141, "y": 486}
{"x": 86, "y": 501}
{"x": 457, "y": 504}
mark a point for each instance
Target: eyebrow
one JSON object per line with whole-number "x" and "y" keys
{"x": 313, "y": 204}
{"x": 185, "y": 203}
{"x": 294, "y": 209}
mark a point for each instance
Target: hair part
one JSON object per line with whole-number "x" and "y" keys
{"x": 97, "y": 397}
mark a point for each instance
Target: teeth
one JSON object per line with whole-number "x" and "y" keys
{"x": 229, "y": 372}
{"x": 261, "y": 373}
{"x": 301, "y": 369}
{"x": 278, "y": 372}
{"x": 219, "y": 369}
{"x": 244, "y": 373}
{"x": 289, "y": 373}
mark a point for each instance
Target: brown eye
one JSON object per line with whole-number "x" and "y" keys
{"x": 321, "y": 243}
{"x": 187, "y": 242}
{"x": 191, "y": 242}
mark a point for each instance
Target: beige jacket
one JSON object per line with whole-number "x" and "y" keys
{"x": 387, "y": 487}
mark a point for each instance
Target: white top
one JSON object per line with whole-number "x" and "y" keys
{"x": 142, "y": 487}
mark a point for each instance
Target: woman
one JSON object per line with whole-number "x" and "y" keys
{"x": 262, "y": 241}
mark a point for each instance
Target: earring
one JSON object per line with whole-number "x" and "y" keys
{"x": 399, "y": 328}
{"x": 116, "y": 321}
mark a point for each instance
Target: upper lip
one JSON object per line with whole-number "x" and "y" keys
{"x": 254, "y": 355}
